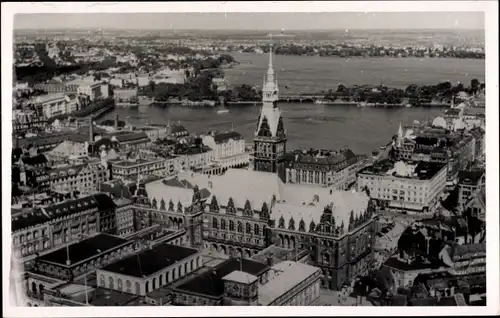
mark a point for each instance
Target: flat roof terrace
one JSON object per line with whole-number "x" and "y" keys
{"x": 423, "y": 170}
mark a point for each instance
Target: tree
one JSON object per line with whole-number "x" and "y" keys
{"x": 474, "y": 85}
{"x": 341, "y": 88}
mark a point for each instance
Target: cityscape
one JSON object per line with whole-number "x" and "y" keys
{"x": 237, "y": 167}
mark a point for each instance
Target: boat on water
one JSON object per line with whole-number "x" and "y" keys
{"x": 223, "y": 111}
{"x": 408, "y": 105}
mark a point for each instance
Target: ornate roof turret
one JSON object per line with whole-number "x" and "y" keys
{"x": 196, "y": 194}
{"x": 154, "y": 204}
{"x": 247, "y": 210}
{"x": 302, "y": 225}
{"x": 171, "y": 205}
{"x": 162, "y": 204}
{"x": 180, "y": 207}
{"x": 230, "y": 209}
{"x": 351, "y": 221}
{"x": 281, "y": 222}
{"x": 214, "y": 205}
{"x": 312, "y": 227}
{"x": 291, "y": 224}
{"x": 264, "y": 212}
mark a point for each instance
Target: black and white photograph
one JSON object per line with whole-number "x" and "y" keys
{"x": 250, "y": 158}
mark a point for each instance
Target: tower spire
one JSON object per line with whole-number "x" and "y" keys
{"x": 270, "y": 69}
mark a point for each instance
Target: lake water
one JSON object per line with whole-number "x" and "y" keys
{"x": 307, "y": 125}
{"x": 325, "y": 126}
{"x": 314, "y": 74}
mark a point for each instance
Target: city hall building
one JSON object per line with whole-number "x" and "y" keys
{"x": 244, "y": 211}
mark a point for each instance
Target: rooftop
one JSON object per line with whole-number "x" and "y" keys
{"x": 134, "y": 162}
{"x": 322, "y": 157}
{"x": 151, "y": 260}
{"x": 210, "y": 283}
{"x": 297, "y": 201}
{"x": 108, "y": 297}
{"x": 240, "y": 277}
{"x": 224, "y": 137}
{"x": 84, "y": 250}
{"x": 286, "y": 275}
{"x": 471, "y": 177}
{"x": 420, "y": 170}
{"x": 69, "y": 207}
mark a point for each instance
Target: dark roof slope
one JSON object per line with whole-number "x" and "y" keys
{"x": 85, "y": 249}
{"x": 223, "y": 137}
{"x": 151, "y": 261}
{"x": 210, "y": 283}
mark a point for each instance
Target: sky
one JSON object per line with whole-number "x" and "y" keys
{"x": 253, "y": 21}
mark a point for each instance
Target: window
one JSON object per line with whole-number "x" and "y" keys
{"x": 103, "y": 281}
{"x": 111, "y": 282}
{"x": 128, "y": 285}
{"x": 240, "y": 227}
{"x": 215, "y": 223}
{"x": 120, "y": 286}
{"x": 231, "y": 225}
{"x": 256, "y": 229}
{"x": 222, "y": 224}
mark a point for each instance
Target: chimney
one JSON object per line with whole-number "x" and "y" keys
{"x": 269, "y": 260}
{"x": 91, "y": 130}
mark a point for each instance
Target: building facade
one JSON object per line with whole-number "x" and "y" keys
{"x": 415, "y": 187}
{"x": 336, "y": 170}
{"x": 229, "y": 149}
{"x": 149, "y": 270}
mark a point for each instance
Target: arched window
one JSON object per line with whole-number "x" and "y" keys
{"x": 231, "y": 225}
{"x": 111, "y": 282}
{"x": 256, "y": 229}
{"x": 240, "y": 227}
{"x": 137, "y": 288}
{"x": 248, "y": 228}
{"x": 161, "y": 280}
{"x": 154, "y": 283}
{"x": 120, "y": 284}
{"x": 128, "y": 285}
{"x": 198, "y": 260}
{"x": 103, "y": 281}
{"x": 222, "y": 224}
{"x": 215, "y": 224}
{"x": 40, "y": 289}
{"x": 33, "y": 287}
{"x": 173, "y": 274}
{"x": 192, "y": 264}
{"x": 179, "y": 269}
{"x": 147, "y": 287}
{"x": 185, "y": 268}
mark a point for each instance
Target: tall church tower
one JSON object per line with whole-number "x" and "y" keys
{"x": 270, "y": 136}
